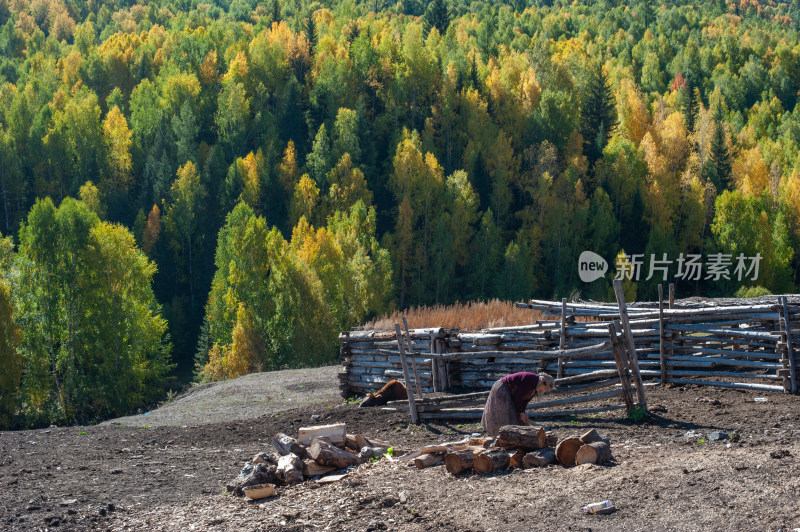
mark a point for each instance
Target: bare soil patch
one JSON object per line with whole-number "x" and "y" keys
{"x": 172, "y": 477}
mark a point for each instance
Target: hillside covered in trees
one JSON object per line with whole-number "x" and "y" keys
{"x": 222, "y": 186}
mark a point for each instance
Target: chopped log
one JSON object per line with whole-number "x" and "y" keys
{"x": 593, "y": 453}
{"x": 336, "y": 433}
{"x": 369, "y": 453}
{"x": 351, "y": 442}
{"x": 290, "y": 469}
{"x": 428, "y": 460}
{"x": 552, "y": 439}
{"x": 521, "y": 437}
{"x": 286, "y": 445}
{"x": 491, "y": 460}
{"x": 313, "y": 469}
{"x": 456, "y": 462}
{"x": 567, "y": 449}
{"x": 539, "y": 458}
{"x": 265, "y": 458}
{"x": 362, "y": 441}
{"x": 516, "y": 458}
{"x": 593, "y": 436}
{"x": 442, "y": 448}
{"x": 327, "y": 454}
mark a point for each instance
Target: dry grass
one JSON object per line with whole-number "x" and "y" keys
{"x": 471, "y": 316}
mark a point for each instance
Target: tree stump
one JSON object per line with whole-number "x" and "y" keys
{"x": 567, "y": 449}
{"x": 593, "y": 453}
{"x": 521, "y": 437}
{"x": 457, "y": 462}
{"x": 491, "y": 460}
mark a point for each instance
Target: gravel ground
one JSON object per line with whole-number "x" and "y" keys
{"x": 666, "y": 476}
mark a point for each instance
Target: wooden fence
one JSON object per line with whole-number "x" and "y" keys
{"x": 748, "y": 344}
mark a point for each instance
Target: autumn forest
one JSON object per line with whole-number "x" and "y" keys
{"x": 195, "y": 190}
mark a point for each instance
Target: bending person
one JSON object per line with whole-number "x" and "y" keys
{"x": 510, "y": 397}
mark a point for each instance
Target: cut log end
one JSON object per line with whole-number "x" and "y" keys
{"x": 593, "y": 453}
{"x": 567, "y": 449}
{"x": 491, "y": 460}
{"x": 539, "y": 458}
{"x": 521, "y": 437}
{"x": 457, "y": 462}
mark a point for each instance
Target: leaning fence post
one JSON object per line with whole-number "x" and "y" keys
{"x": 412, "y": 405}
{"x": 622, "y": 368}
{"x": 626, "y": 328}
{"x": 413, "y": 361}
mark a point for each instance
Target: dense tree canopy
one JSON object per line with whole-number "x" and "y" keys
{"x": 295, "y": 166}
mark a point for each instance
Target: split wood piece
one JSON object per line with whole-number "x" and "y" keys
{"x": 789, "y": 347}
{"x": 491, "y": 460}
{"x": 539, "y": 458}
{"x": 312, "y": 469}
{"x": 516, "y": 458}
{"x": 622, "y": 367}
{"x": 593, "y": 436}
{"x": 336, "y": 433}
{"x": 327, "y": 454}
{"x": 567, "y": 449}
{"x": 287, "y": 445}
{"x": 351, "y": 442}
{"x": 661, "y": 351}
{"x": 412, "y": 407}
{"x": 362, "y": 441}
{"x": 413, "y": 360}
{"x": 290, "y": 469}
{"x": 552, "y": 439}
{"x": 593, "y": 453}
{"x": 457, "y": 462}
{"x": 442, "y": 448}
{"x": 428, "y": 460}
{"x": 521, "y": 437}
{"x": 626, "y": 327}
{"x": 331, "y": 478}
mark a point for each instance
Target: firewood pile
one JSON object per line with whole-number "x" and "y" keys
{"x": 317, "y": 452}
{"x": 515, "y": 446}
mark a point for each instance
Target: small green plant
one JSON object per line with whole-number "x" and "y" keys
{"x": 461, "y": 425}
{"x": 353, "y": 399}
{"x": 82, "y": 432}
{"x": 702, "y": 440}
{"x": 637, "y": 414}
{"x": 389, "y": 452}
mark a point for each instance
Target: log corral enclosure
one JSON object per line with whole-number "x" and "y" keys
{"x": 596, "y": 351}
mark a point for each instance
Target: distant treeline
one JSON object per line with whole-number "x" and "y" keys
{"x": 282, "y": 170}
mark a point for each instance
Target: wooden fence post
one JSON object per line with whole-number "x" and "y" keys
{"x": 789, "y": 348}
{"x": 562, "y": 341}
{"x": 661, "y": 335}
{"x": 622, "y": 368}
{"x": 413, "y": 360}
{"x": 626, "y": 328}
{"x": 412, "y": 405}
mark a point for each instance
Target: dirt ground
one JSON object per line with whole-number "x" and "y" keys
{"x": 169, "y": 474}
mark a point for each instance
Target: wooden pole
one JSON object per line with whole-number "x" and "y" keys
{"x": 661, "y": 334}
{"x": 561, "y": 339}
{"x": 412, "y": 406}
{"x": 621, "y": 367}
{"x": 789, "y": 349}
{"x": 413, "y": 361}
{"x": 434, "y": 366}
{"x": 626, "y": 327}
{"x": 671, "y": 295}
